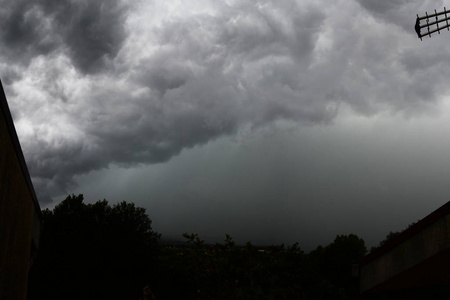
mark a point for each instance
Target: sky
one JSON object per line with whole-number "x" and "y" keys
{"x": 272, "y": 121}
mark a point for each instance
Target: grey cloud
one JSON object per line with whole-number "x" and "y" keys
{"x": 24, "y": 32}
{"x": 417, "y": 61}
{"x": 382, "y": 7}
{"x": 211, "y": 75}
{"x": 163, "y": 72}
{"x": 90, "y": 31}
{"x": 9, "y": 74}
{"x": 242, "y": 50}
{"x": 94, "y": 32}
{"x": 127, "y": 134}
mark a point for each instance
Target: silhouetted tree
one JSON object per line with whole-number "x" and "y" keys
{"x": 93, "y": 251}
{"x": 338, "y": 260}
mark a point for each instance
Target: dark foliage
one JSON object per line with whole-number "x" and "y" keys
{"x": 98, "y": 251}
{"x": 93, "y": 251}
{"x": 227, "y": 271}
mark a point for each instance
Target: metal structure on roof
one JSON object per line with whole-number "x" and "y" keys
{"x": 429, "y": 24}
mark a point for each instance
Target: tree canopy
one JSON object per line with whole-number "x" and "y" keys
{"x": 103, "y": 251}
{"x": 93, "y": 251}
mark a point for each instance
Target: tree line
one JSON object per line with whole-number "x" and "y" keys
{"x": 99, "y": 251}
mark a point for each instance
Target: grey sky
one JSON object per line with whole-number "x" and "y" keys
{"x": 269, "y": 120}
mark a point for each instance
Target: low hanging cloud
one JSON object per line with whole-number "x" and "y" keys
{"x": 95, "y": 83}
{"x": 90, "y": 33}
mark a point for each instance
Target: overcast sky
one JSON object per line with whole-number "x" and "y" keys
{"x": 272, "y": 121}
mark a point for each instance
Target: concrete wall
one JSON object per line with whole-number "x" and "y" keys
{"x": 19, "y": 212}
{"x": 417, "y": 261}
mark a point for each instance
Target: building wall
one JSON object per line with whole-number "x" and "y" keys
{"x": 19, "y": 213}
{"x": 415, "y": 262}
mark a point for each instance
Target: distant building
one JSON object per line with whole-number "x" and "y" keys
{"x": 20, "y": 214}
{"x": 414, "y": 264}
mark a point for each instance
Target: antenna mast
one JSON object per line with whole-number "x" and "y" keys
{"x": 432, "y": 23}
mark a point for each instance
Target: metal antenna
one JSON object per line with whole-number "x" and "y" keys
{"x": 432, "y": 25}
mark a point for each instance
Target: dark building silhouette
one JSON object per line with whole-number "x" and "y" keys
{"x": 20, "y": 214}
{"x": 413, "y": 265}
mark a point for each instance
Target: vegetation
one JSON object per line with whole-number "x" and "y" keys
{"x": 391, "y": 235}
{"x": 93, "y": 251}
{"x": 227, "y": 271}
{"x": 98, "y": 251}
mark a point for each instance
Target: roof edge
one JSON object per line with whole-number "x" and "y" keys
{"x": 18, "y": 149}
{"x": 407, "y": 234}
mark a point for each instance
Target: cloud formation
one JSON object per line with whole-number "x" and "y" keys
{"x": 90, "y": 33}
{"x": 96, "y": 83}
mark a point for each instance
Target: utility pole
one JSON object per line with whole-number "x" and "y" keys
{"x": 429, "y": 24}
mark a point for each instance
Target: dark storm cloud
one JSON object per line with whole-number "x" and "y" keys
{"x": 172, "y": 82}
{"x": 91, "y": 32}
{"x": 208, "y": 76}
{"x": 141, "y": 130}
{"x": 9, "y": 75}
